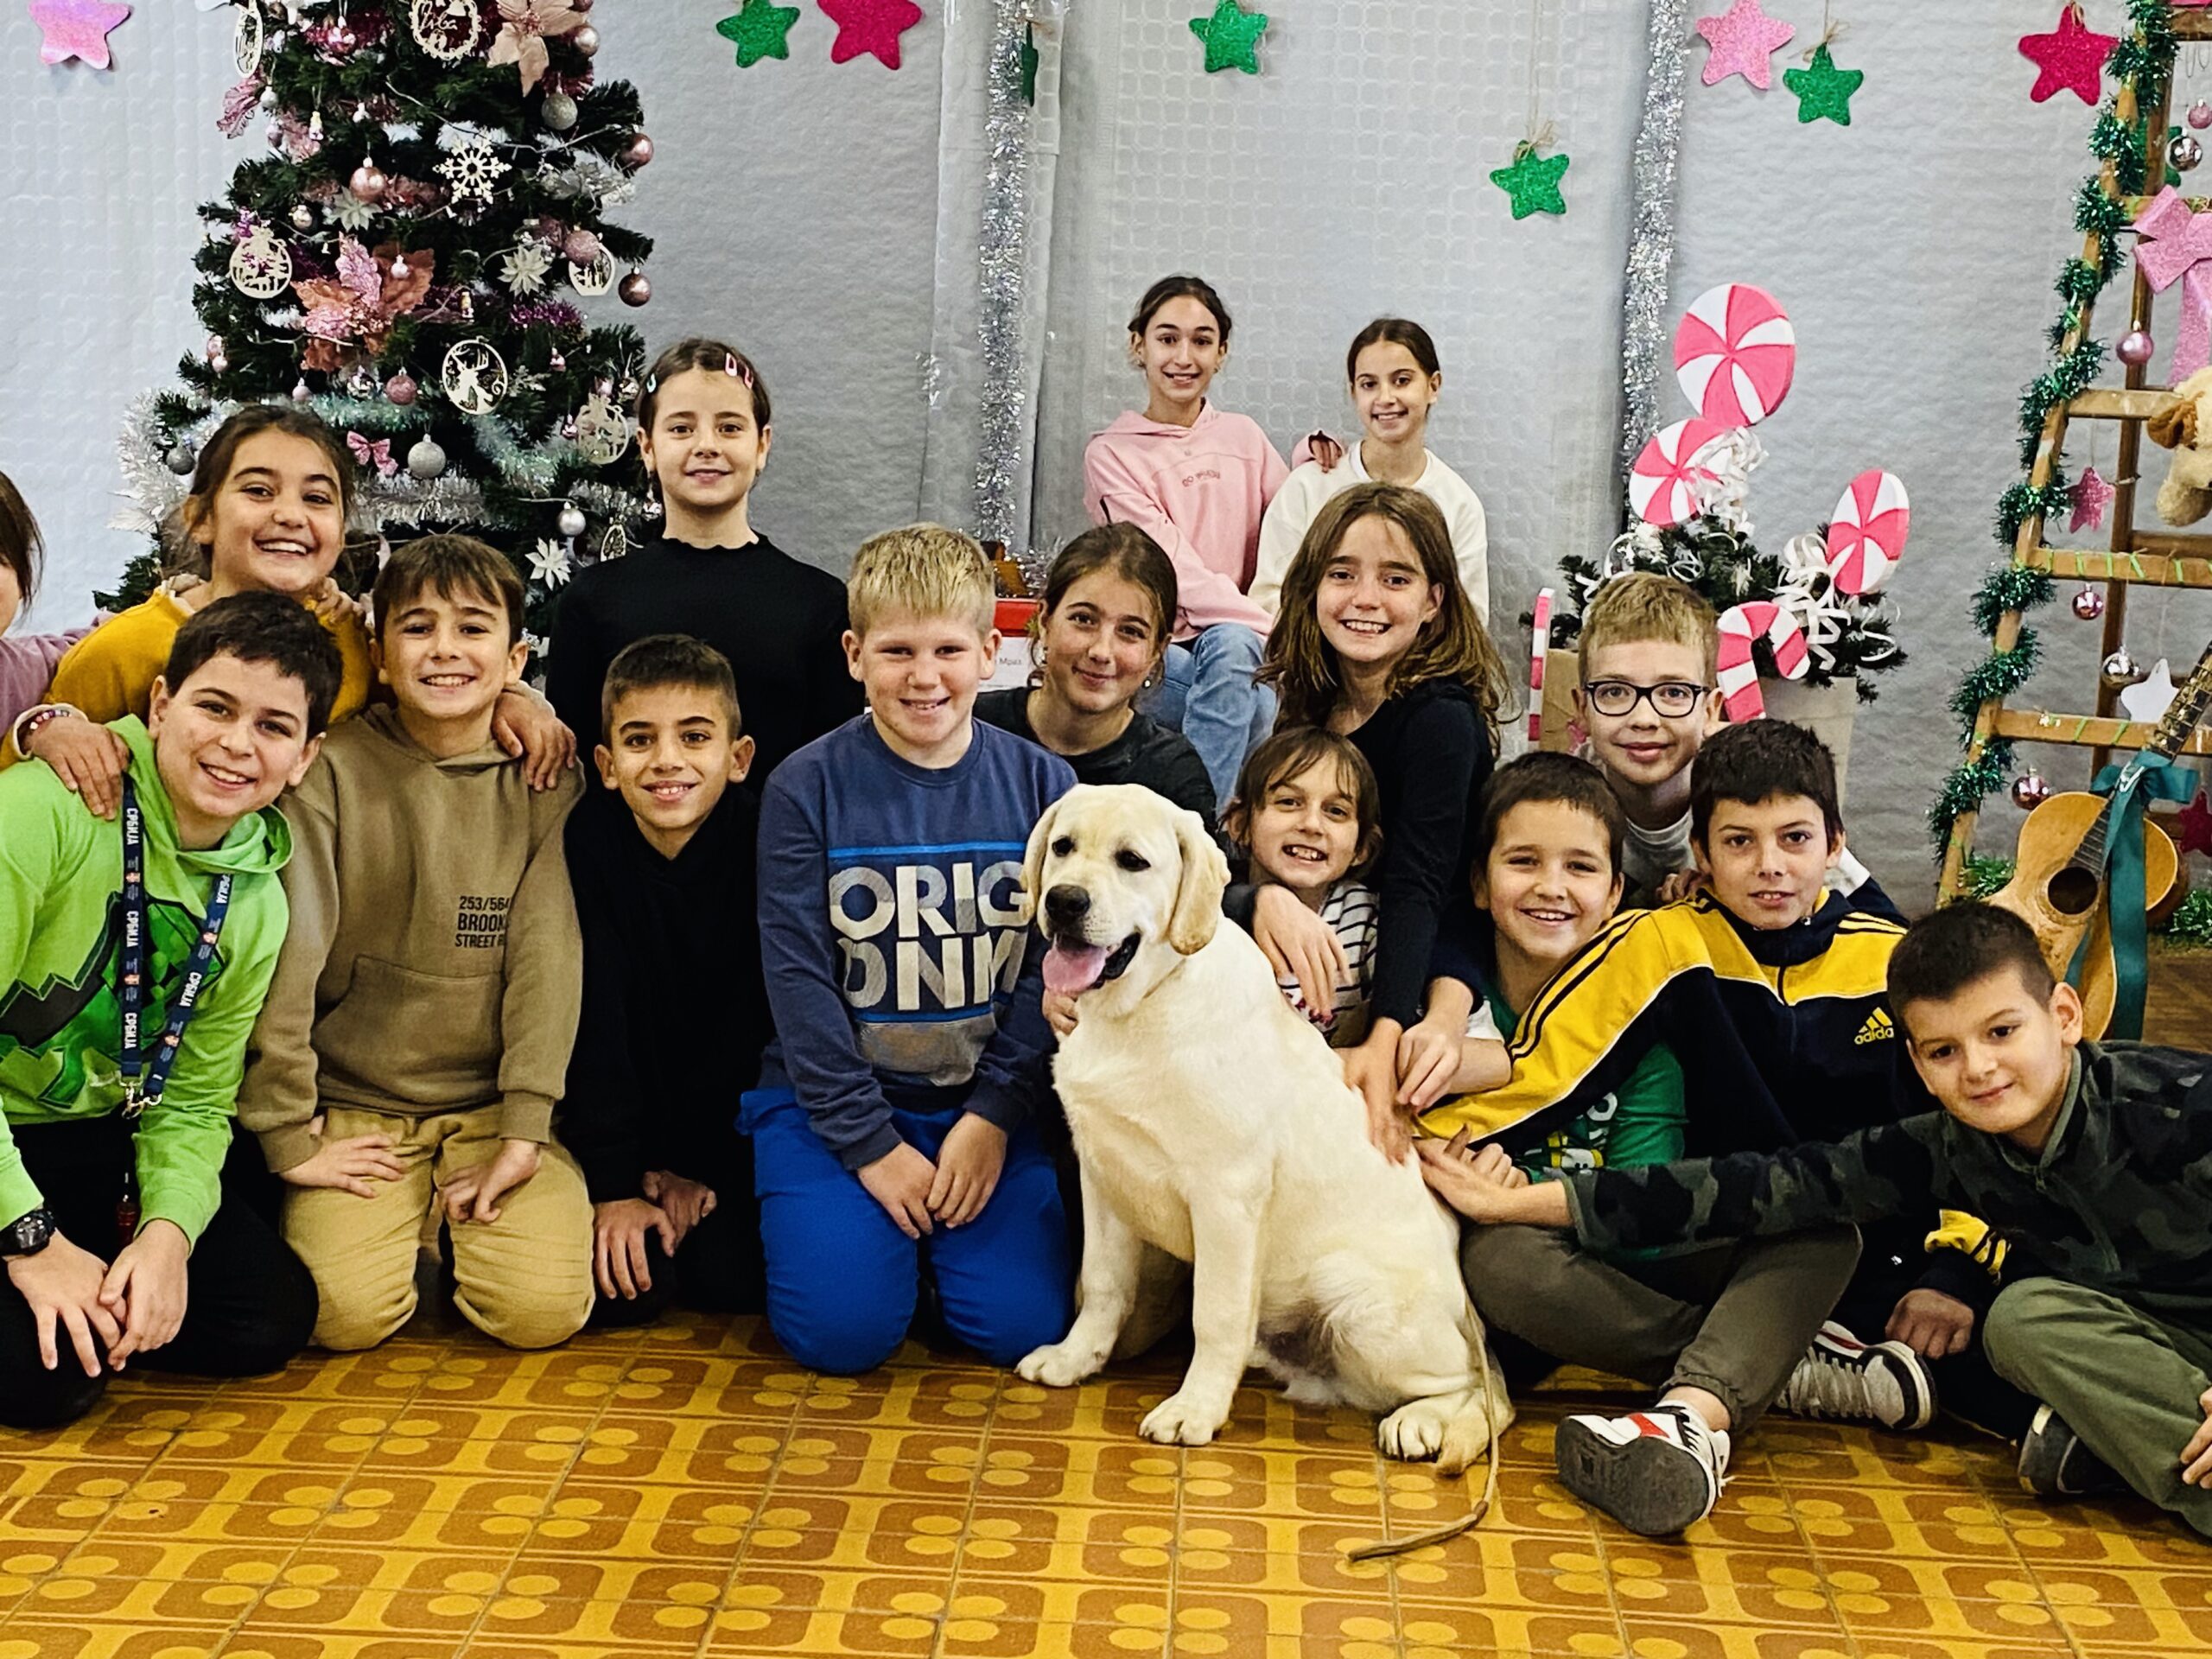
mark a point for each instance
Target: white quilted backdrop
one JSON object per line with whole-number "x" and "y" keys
{"x": 811, "y": 211}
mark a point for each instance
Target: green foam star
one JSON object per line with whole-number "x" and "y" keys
{"x": 1232, "y": 37}
{"x": 1029, "y": 61}
{"x": 1533, "y": 181}
{"x": 759, "y": 30}
{"x": 1824, "y": 90}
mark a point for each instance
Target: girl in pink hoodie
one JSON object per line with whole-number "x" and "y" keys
{"x": 1198, "y": 481}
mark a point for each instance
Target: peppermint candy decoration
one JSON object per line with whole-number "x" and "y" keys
{"x": 1868, "y": 535}
{"x": 1663, "y": 486}
{"x": 1740, "y": 627}
{"x": 1539, "y": 647}
{"x": 1735, "y": 355}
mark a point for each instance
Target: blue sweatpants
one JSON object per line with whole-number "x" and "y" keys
{"x": 843, "y": 1279}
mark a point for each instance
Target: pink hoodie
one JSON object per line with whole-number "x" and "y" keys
{"x": 1198, "y": 491}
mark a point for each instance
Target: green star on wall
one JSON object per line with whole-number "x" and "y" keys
{"x": 1533, "y": 181}
{"x": 1232, "y": 37}
{"x": 1824, "y": 90}
{"x": 1029, "y": 61}
{"x": 759, "y": 29}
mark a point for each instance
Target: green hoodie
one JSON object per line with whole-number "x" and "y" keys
{"x": 60, "y": 1025}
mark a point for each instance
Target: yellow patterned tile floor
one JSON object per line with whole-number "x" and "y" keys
{"x": 687, "y": 1491}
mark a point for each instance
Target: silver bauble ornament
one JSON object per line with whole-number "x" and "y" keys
{"x": 2030, "y": 790}
{"x": 180, "y": 460}
{"x": 2135, "y": 347}
{"x": 585, "y": 40}
{"x": 401, "y": 389}
{"x": 571, "y": 521}
{"x": 2184, "y": 154}
{"x": 399, "y": 267}
{"x": 558, "y": 111}
{"x": 636, "y": 288}
{"x": 303, "y": 217}
{"x": 300, "y": 391}
{"x": 426, "y": 460}
{"x": 2089, "y": 604}
{"x": 2121, "y": 668}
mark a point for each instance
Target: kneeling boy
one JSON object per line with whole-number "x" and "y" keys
{"x": 2096, "y": 1156}
{"x": 132, "y": 964}
{"x": 662, "y": 862}
{"x": 893, "y": 1126}
{"x": 418, "y": 1030}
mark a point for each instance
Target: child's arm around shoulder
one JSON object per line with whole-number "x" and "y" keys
{"x": 543, "y": 994}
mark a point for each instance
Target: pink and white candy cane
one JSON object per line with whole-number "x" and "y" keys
{"x": 1735, "y": 355}
{"x": 1538, "y": 646}
{"x": 1867, "y": 537}
{"x": 1740, "y": 626}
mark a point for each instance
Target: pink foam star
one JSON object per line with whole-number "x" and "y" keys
{"x": 870, "y": 26}
{"x": 2195, "y": 827}
{"x": 2092, "y": 500}
{"x": 2072, "y": 59}
{"x": 76, "y": 29}
{"x": 1743, "y": 38}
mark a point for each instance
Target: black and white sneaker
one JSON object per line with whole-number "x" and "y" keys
{"x": 1656, "y": 1473}
{"x": 2054, "y": 1463}
{"x": 1842, "y": 1379}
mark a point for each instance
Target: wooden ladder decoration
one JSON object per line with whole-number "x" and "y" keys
{"x": 2133, "y": 559}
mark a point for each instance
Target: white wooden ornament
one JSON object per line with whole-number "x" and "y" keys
{"x": 261, "y": 266}
{"x": 474, "y": 377}
{"x": 593, "y": 279}
{"x": 248, "y": 34}
{"x": 447, "y": 30}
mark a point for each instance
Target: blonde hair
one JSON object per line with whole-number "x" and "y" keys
{"x": 923, "y": 570}
{"x": 1645, "y": 605}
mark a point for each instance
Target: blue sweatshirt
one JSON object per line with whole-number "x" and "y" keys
{"x": 902, "y": 971}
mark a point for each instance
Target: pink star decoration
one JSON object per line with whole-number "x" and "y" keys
{"x": 870, "y": 26}
{"x": 523, "y": 26}
{"x": 1743, "y": 38}
{"x": 76, "y": 29}
{"x": 2092, "y": 500}
{"x": 2071, "y": 59}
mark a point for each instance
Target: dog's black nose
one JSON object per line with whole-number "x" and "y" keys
{"x": 1065, "y": 906}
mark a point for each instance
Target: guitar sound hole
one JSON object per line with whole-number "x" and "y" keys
{"x": 2072, "y": 891}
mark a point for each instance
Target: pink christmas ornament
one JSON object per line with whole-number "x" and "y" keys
{"x": 76, "y": 29}
{"x": 1743, "y": 38}
{"x": 1539, "y": 647}
{"x": 2172, "y": 244}
{"x": 1735, "y": 355}
{"x": 1738, "y": 675}
{"x": 2071, "y": 59}
{"x": 1867, "y": 536}
{"x": 870, "y": 26}
{"x": 1663, "y": 485}
{"x": 2135, "y": 348}
{"x": 2092, "y": 500}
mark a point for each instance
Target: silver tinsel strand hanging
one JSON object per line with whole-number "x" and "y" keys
{"x": 1651, "y": 228}
{"x": 1004, "y": 253}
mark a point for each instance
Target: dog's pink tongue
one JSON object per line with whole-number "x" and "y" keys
{"x": 1070, "y": 973}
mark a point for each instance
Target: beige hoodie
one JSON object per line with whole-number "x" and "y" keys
{"x": 434, "y": 962}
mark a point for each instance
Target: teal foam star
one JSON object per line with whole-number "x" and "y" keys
{"x": 1533, "y": 181}
{"x": 760, "y": 29}
{"x": 1232, "y": 37}
{"x": 1824, "y": 90}
{"x": 1029, "y": 64}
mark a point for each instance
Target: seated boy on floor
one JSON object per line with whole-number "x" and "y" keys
{"x": 662, "y": 860}
{"x": 418, "y": 1029}
{"x": 1648, "y": 700}
{"x": 1720, "y": 1329}
{"x": 113, "y": 1231}
{"x": 2098, "y": 1156}
{"x": 892, "y": 1131}
{"x": 1782, "y": 982}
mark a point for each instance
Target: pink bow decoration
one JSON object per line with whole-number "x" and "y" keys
{"x": 2172, "y": 244}
{"x": 377, "y": 454}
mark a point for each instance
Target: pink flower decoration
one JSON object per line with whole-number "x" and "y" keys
{"x": 521, "y": 37}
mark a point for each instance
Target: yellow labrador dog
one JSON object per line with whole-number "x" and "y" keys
{"x": 1214, "y": 1123}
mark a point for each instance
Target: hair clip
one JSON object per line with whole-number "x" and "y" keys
{"x": 652, "y": 384}
{"x": 729, "y": 364}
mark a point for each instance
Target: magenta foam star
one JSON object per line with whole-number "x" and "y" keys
{"x": 76, "y": 29}
{"x": 2092, "y": 500}
{"x": 1743, "y": 38}
{"x": 870, "y": 26}
{"x": 2071, "y": 59}
{"x": 2195, "y": 826}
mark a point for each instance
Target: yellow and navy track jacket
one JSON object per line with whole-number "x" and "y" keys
{"x": 1784, "y": 1037}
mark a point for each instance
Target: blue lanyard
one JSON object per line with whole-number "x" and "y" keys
{"x": 147, "y": 1079}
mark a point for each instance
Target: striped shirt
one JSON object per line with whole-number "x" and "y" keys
{"x": 1350, "y": 911}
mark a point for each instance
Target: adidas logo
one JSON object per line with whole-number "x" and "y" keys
{"x": 1878, "y": 1029}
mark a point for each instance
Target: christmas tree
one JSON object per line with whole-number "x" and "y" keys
{"x": 407, "y": 261}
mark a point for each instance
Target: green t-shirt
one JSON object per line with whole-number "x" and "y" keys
{"x": 1641, "y": 1122}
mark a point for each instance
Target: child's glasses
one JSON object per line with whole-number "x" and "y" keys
{"x": 1670, "y": 699}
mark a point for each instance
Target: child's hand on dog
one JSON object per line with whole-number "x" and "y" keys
{"x": 2196, "y": 1456}
{"x": 1372, "y": 1068}
{"x": 1474, "y": 1182}
{"x": 900, "y": 1181}
{"x": 1060, "y": 1012}
{"x": 968, "y": 1166}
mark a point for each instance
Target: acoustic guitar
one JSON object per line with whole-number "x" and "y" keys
{"x": 2058, "y": 878}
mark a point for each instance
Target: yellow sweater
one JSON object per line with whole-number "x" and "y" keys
{"x": 110, "y": 672}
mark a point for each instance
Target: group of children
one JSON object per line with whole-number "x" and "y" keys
{"x": 757, "y": 1021}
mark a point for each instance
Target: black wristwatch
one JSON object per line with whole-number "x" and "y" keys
{"x": 27, "y": 1234}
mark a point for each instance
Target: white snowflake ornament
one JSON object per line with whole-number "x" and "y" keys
{"x": 473, "y": 168}
{"x": 549, "y": 562}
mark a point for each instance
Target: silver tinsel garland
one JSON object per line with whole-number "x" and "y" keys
{"x": 1651, "y": 229}
{"x": 1004, "y": 257}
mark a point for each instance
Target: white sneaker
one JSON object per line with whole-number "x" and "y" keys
{"x": 1656, "y": 1473}
{"x": 1843, "y": 1379}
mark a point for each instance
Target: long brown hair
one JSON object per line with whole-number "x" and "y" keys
{"x": 1120, "y": 549}
{"x": 186, "y": 551}
{"x": 21, "y": 543}
{"x": 1452, "y": 645}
